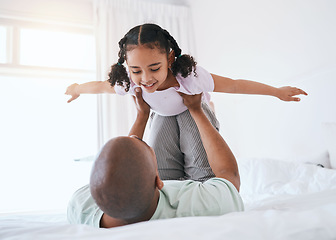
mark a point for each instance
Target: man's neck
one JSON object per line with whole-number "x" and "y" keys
{"x": 151, "y": 210}
{"x": 109, "y": 222}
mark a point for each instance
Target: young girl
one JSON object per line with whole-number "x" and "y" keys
{"x": 155, "y": 64}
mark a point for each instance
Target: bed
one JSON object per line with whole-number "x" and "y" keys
{"x": 283, "y": 200}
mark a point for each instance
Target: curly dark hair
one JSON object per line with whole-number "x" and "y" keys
{"x": 152, "y": 36}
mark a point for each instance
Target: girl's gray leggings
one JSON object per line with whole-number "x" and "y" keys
{"x": 178, "y": 147}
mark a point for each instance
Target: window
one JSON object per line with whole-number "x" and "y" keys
{"x": 56, "y": 49}
{"x": 41, "y": 134}
{"x": 3, "y": 44}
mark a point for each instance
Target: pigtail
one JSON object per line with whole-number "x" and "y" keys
{"x": 118, "y": 74}
{"x": 184, "y": 64}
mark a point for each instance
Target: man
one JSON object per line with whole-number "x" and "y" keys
{"x": 125, "y": 186}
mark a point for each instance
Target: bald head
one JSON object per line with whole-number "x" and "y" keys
{"x": 123, "y": 178}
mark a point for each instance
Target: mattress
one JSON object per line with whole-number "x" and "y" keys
{"x": 283, "y": 200}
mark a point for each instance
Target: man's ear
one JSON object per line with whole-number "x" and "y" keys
{"x": 171, "y": 57}
{"x": 158, "y": 182}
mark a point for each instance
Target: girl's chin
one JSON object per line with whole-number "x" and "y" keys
{"x": 150, "y": 89}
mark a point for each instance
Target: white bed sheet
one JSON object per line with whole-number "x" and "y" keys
{"x": 283, "y": 201}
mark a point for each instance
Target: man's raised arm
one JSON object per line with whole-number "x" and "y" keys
{"x": 221, "y": 159}
{"x": 143, "y": 111}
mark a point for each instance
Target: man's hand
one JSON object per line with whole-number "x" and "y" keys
{"x": 141, "y": 106}
{"x": 143, "y": 111}
{"x": 71, "y": 90}
{"x": 192, "y": 102}
{"x": 288, "y": 93}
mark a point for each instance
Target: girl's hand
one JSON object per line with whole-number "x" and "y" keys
{"x": 288, "y": 93}
{"x": 141, "y": 106}
{"x": 72, "y": 90}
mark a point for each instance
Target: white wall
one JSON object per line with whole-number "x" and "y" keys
{"x": 279, "y": 43}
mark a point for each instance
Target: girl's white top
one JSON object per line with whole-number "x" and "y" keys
{"x": 168, "y": 102}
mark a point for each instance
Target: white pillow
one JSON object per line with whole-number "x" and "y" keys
{"x": 330, "y": 138}
{"x": 319, "y": 158}
{"x": 260, "y": 176}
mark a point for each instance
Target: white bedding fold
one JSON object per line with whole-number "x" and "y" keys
{"x": 283, "y": 201}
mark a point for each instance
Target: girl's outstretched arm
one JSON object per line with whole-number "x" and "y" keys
{"x": 228, "y": 85}
{"x": 75, "y": 90}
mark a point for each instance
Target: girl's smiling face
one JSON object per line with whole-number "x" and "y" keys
{"x": 148, "y": 68}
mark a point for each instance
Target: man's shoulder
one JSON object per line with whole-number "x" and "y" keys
{"x": 217, "y": 180}
{"x": 189, "y": 181}
{"x": 186, "y": 185}
{"x": 214, "y": 189}
{"x": 215, "y": 196}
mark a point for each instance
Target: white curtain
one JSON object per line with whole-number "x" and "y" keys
{"x": 112, "y": 20}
